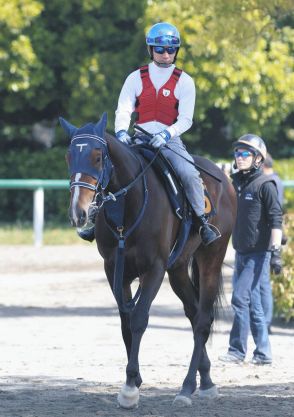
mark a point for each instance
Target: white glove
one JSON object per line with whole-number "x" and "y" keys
{"x": 160, "y": 139}
{"x": 124, "y": 137}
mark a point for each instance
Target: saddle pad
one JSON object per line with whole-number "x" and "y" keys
{"x": 176, "y": 199}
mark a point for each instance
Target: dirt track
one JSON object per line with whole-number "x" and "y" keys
{"x": 62, "y": 352}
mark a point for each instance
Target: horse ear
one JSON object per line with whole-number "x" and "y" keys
{"x": 69, "y": 128}
{"x": 101, "y": 125}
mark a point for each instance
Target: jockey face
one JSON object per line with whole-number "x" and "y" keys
{"x": 163, "y": 59}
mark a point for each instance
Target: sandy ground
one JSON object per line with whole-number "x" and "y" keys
{"x": 62, "y": 352}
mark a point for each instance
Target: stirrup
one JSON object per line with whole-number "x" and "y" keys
{"x": 212, "y": 229}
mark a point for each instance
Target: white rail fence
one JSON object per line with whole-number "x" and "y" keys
{"x": 39, "y": 186}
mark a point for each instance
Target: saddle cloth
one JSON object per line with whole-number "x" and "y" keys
{"x": 172, "y": 183}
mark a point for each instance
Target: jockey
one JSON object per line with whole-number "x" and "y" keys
{"x": 163, "y": 98}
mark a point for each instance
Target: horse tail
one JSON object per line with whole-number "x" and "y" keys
{"x": 220, "y": 297}
{"x": 194, "y": 276}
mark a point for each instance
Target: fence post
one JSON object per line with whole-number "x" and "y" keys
{"x": 38, "y": 216}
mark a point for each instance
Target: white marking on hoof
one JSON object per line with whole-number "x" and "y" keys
{"x": 209, "y": 393}
{"x": 182, "y": 401}
{"x": 128, "y": 397}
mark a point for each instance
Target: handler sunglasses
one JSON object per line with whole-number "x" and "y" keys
{"x": 242, "y": 154}
{"x": 161, "y": 49}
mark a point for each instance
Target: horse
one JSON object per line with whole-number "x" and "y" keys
{"x": 104, "y": 170}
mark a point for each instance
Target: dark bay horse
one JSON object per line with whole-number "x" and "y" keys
{"x": 102, "y": 166}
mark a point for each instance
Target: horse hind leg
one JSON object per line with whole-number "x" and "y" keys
{"x": 207, "y": 387}
{"x": 209, "y": 276}
{"x": 201, "y": 317}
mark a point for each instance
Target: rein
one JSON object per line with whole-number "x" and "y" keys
{"x": 124, "y": 190}
{"x": 137, "y": 127}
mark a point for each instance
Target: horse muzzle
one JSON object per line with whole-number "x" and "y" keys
{"x": 78, "y": 217}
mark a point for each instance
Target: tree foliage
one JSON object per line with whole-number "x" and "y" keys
{"x": 283, "y": 284}
{"x": 240, "y": 54}
{"x": 70, "y": 58}
{"x": 65, "y": 58}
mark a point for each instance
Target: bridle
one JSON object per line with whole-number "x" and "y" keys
{"x": 103, "y": 177}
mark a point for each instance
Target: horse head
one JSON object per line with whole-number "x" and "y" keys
{"x": 89, "y": 166}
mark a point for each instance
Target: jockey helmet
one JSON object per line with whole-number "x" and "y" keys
{"x": 163, "y": 34}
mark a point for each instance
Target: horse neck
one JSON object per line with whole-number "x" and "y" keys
{"x": 126, "y": 166}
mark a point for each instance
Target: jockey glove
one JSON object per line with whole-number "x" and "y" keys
{"x": 160, "y": 139}
{"x": 124, "y": 137}
{"x": 276, "y": 261}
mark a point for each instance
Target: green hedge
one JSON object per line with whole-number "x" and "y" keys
{"x": 283, "y": 284}
{"x": 16, "y": 205}
{"x": 285, "y": 169}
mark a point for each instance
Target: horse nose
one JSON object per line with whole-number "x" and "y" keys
{"x": 78, "y": 218}
{"x": 82, "y": 219}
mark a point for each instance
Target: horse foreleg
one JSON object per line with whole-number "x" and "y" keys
{"x": 125, "y": 322}
{"x": 129, "y": 394}
{"x": 127, "y": 337}
{"x": 124, "y": 317}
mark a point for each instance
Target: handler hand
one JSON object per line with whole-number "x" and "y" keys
{"x": 276, "y": 261}
{"x": 124, "y": 137}
{"x": 160, "y": 139}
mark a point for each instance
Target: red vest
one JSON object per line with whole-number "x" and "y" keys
{"x": 162, "y": 107}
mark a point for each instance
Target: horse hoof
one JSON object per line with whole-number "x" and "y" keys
{"x": 182, "y": 401}
{"x": 209, "y": 393}
{"x": 128, "y": 397}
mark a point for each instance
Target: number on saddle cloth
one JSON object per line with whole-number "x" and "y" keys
{"x": 209, "y": 207}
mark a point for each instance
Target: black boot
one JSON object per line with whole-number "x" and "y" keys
{"x": 207, "y": 232}
{"x": 87, "y": 234}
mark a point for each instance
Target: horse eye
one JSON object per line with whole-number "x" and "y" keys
{"x": 98, "y": 159}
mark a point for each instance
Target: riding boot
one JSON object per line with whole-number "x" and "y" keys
{"x": 207, "y": 232}
{"x": 87, "y": 234}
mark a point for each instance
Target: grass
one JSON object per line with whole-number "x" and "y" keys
{"x": 53, "y": 235}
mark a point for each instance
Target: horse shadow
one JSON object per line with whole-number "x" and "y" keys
{"x": 51, "y": 397}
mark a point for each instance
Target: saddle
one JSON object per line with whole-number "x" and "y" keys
{"x": 177, "y": 197}
{"x": 172, "y": 184}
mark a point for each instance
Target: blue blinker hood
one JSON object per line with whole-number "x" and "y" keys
{"x": 83, "y": 141}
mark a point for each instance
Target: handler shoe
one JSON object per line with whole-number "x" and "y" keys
{"x": 229, "y": 357}
{"x": 256, "y": 360}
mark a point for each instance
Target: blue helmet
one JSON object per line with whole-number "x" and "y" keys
{"x": 163, "y": 34}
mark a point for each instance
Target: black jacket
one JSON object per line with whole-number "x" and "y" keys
{"x": 258, "y": 212}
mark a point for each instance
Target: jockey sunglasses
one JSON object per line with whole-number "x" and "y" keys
{"x": 161, "y": 49}
{"x": 242, "y": 154}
